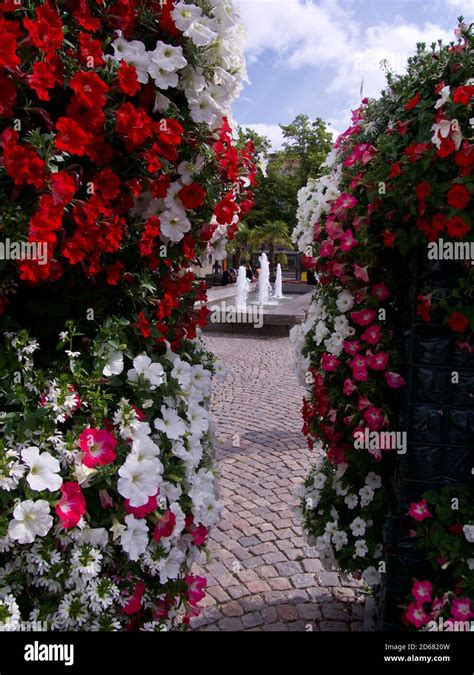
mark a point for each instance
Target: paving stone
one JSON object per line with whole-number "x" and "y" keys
{"x": 288, "y": 569}
{"x": 309, "y": 611}
{"x": 302, "y": 580}
{"x": 237, "y": 592}
{"x": 252, "y": 619}
{"x": 230, "y": 624}
{"x": 327, "y": 578}
{"x": 232, "y": 609}
{"x": 259, "y": 586}
{"x": 260, "y": 559}
{"x": 252, "y": 603}
{"x": 334, "y": 613}
{"x": 275, "y": 627}
{"x": 279, "y": 584}
{"x": 338, "y": 626}
{"x": 287, "y": 612}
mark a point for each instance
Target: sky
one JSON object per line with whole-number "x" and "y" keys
{"x": 311, "y": 56}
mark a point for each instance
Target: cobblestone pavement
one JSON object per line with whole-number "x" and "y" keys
{"x": 262, "y": 575}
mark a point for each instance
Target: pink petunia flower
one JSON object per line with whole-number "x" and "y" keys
{"x": 348, "y": 387}
{"x": 364, "y": 317}
{"x": 199, "y": 532}
{"x": 419, "y": 510}
{"x": 417, "y": 616}
{"x": 327, "y": 249}
{"x": 378, "y": 361}
{"x": 329, "y": 363}
{"x": 98, "y": 446}
{"x": 165, "y": 526}
{"x": 374, "y": 418}
{"x": 134, "y": 603}
{"x": 360, "y": 272}
{"x": 461, "y": 609}
{"x": 394, "y": 380}
{"x": 372, "y": 334}
{"x": 195, "y": 586}
{"x": 380, "y": 291}
{"x": 347, "y": 241}
{"x": 72, "y": 505}
{"x": 352, "y": 347}
{"x": 421, "y": 591}
{"x": 141, "y": 511}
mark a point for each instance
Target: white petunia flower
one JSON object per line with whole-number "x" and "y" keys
{"x": 358, "y": 527}
{"x": 373, "y": 480}
{"x": 134, "y": 539}
{"x": 153, "y": 372}
{"x": 167, "y": 58}
{"x": 361, "y": 549}
{"x": 174, "y": 224}
{"x": 345, "y": 301}
{"x": 172, "y": 425}
{"x": 469, "y": 533}
{"x": 366, "y": 495}
{"x": 339, "y": 539}
{"x": 139, "y": 480}
{"x": 371, "y": 576}
{"x": 351, "y": 501}
{"x": 183, "y": 15}
{"x": 114, "y": 364}
{"x": 44, "y": 470}
{"x": 30, "y": 519}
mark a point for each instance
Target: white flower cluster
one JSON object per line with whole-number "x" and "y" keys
{"x": 314, "y": 200}
{"x": 80, "y": 570}
{"x": 209, "y": 87}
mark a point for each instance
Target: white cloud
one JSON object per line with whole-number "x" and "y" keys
{"x": 325, "y": 35}
{"x": 271, "y": 131}
{"x": 463, "y": 6}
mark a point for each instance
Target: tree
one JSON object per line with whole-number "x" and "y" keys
{"x": 305, "y": 148}
{"x": 273, "y": 234}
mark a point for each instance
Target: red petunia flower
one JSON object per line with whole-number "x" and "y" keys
{"x": 114, "y": 273}
{"x": 192, "y": 196}
{"x": 71, "y": 138}
{"x": 134, "y": 125}
{"x": 8, "y": 96}
{"x": 447, "y": 147}
{"x": 413, "y": 102}
{"x": 463, "y": 94}
{"x": 458, "y": 196}
{"x": 90, "y": 90}
{"x": 41, "y": 79}
{"x": 10, "y": 32}
{"x": 90, "y": 51}
{"x": 106, "y": 185}
{"x": 458, "y": 322}
{"x": 63, "y": 187}
{"x": 128, "y": 79}
{"x": 457, "y": 227}
{"x": 423, "y": 190}
{"x": 46, "y": 30}
{"x": 23, "y": 164}
{"x": 144, "y": 325}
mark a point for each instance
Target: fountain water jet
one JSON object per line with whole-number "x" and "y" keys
{"x": 243, "y": 288}
{"x": 278, "y": 295}
{"x": 264, "y": 281}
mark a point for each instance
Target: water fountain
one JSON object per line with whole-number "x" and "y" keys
{"x": 264, "y": 281}
{"x": 243, "y": 288}
{"x": 278, "y": 294}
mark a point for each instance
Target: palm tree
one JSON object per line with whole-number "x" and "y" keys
{"x": 272, "y": 234}
{"x": 239, "y": 245}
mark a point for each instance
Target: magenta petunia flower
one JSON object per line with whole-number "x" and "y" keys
{"x": 419, "y": 510}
